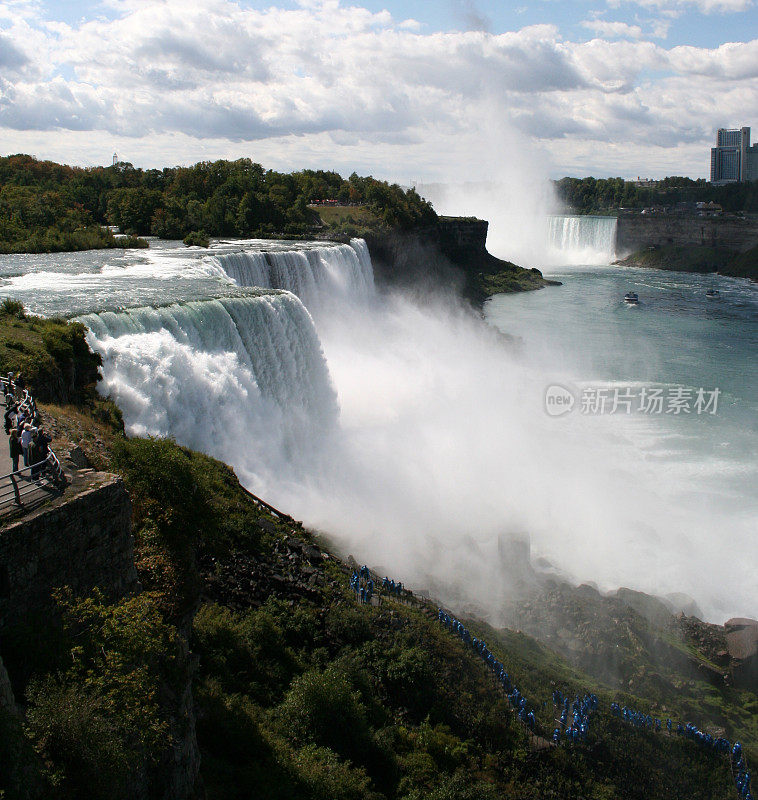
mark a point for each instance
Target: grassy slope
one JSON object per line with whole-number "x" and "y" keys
{"x": 52, "y": 355}
{"x": 339, "y": 217}
{"x": 513, "y": 279}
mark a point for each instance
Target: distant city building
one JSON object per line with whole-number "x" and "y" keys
{"x": 646, "y": 183}
{"x": 733, "y": 160}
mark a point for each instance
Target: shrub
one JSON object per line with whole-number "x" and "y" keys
{"x": 348, "y": 624}
{"x": 88, "y": 757}
{"x": 101, "y": 721}
{"x": 196, "y": 239}
{"x": 409, "y": 678}
{"x": 329, "y": 778}
{"x": 52, "y": 354}
{"x": 246, "y": 652}
{"x": 12, "y": 308}
{"x": 323, "y": 708}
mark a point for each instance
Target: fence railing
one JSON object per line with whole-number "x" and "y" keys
{"x": 44, "y": 473}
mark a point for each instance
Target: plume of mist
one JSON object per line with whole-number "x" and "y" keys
{"x": 446, "y": 470}
{"x": 497, "y": 173}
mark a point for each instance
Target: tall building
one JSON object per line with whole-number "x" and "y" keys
{"x": 733, "y": 160}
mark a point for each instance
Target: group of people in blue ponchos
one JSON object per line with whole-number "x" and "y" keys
{"x": 518, "y": 702}
{"x": 362, "y": 584}
{"x": 574, "y": 715}
{"x": 579, "y": 710}
{"x": 638, "y": 718}
{"x": 688, "y": 730}
{"x": 391, "y": 587}
{"x": 741, "y": 773}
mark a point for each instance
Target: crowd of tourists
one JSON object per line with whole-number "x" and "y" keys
{"x": 573, "y": 717}
{"x": 362, "y": 584}
{"x": 580, "y": 710}
{"x": 741, "y": 773}
{"x": 28, "y": 441}
{"x": 518, "y": 701}
{"x": 718, "y": 744}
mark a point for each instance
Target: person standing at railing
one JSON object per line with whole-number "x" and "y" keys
{"x": 16, "y": 450}
{"x": 10, "y": 417}
{"x": 34, "y": 456}
{"x": 26, "y": 440}
{"x": 41, "y": 449}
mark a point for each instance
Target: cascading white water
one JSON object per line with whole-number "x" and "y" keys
{"x": 239, "y": 378}
{"x": 441, "y": 449}
{"x": 313, "y": 274}
{"x": 582, "y": 240}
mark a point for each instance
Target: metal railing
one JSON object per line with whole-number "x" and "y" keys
{"x": 44, "y": 474}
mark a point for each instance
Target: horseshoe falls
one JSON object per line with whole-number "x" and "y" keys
{"x": 581, "y": 239}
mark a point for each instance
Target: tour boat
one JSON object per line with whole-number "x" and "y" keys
{"x": 631, "y": 298}
{"x": 712, "y": 293}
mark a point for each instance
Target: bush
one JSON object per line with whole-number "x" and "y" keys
{"x": 323, "y": 708}
{"x": 329, "y": 778}
{"x": 100, "y": 721}
{"x": 185, "y": 505}
{"x": 52, "y": 354}
{"x": 246, "y": 653}
{"x": 409, "y": 678}
{"x": 12, "y": 308}
{"x": 197, "y": 239}
{"x": 87, "y": 755}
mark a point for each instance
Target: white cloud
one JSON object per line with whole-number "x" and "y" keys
{"x": 360, "y": 89}
{"x": 613, "y": 30}
{"x": 704, "y": 6}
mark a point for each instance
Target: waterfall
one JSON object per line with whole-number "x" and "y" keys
{"x": 240, "y": 378}
{"x": 582, "y": 240}
{"x": 315, "y": 274}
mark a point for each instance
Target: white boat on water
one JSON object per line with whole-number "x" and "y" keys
{"x": 712, "y": 293}
{"x": 631, "y": 298}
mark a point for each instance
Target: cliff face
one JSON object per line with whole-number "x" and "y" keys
{"x": 637, "y": 232}
{"x": 449, "y": 255}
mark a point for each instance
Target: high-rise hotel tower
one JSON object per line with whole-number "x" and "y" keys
{"x": 733, "y": 160}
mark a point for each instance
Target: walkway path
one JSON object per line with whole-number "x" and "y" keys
{"x": 18, "y": 494}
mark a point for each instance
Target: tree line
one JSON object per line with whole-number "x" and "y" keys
{"x": 606, "y": 195}
{"x": 44, "y": 203}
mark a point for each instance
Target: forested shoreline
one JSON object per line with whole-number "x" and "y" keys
{"x": 46, "y": 206}
{"x": 609, "y": 195}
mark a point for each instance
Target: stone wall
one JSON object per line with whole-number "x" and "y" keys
{"x": 84, "y": 542}
{"x": 639, "y": 231}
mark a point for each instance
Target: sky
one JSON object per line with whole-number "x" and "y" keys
{"x": 419, "y": 90}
